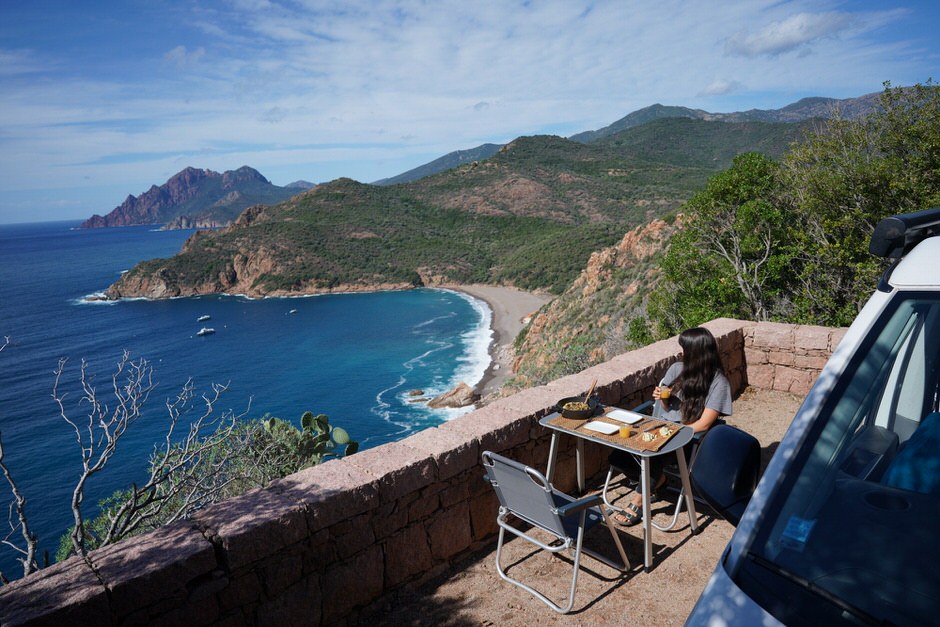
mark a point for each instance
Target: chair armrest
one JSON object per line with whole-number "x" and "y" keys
{"x": 582, "y": 503}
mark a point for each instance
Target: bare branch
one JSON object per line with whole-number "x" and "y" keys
{"x": 19, "y": 505}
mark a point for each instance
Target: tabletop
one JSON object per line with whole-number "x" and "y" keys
{"x": 680, "y": 436}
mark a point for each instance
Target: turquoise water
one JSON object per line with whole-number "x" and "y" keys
{"x": 353, "y": 357}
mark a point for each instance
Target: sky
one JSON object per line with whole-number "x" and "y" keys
{"x": 99, "y": 100}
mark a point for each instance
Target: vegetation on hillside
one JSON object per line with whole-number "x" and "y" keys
{"x": 789, "y": 241}
{"x": 784, "y": 240}
{"x": 529, "y": 216}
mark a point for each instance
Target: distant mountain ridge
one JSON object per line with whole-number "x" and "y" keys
{"x": 196, "y": 198}
{"x": 800, "y": 111}
{"x": 447, "y": 162}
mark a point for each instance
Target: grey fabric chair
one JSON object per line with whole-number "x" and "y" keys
{"x": 526, "y": 497}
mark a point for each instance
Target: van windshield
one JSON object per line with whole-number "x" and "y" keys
{"x": 851, "y": 529}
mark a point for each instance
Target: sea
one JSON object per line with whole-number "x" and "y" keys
{"x": 358, "y": 358}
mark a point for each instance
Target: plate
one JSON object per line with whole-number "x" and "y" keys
{"x": 623, "y": 415}
{"x": 602, "y": 427}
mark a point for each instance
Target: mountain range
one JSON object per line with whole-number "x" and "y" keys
{"x": 195, "y": 198}
{"x": 530, "y": 215}
{"x": 804, "y": 109}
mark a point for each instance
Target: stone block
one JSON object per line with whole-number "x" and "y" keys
{"x": 780, "y": 357}
{"x": 812, "y": 337}
{"x": 298, "y": 604}
{"x": 397, "y": 468}
{"x": 814, "y": 363}
{"x": 244, "y": 589}
{"x": 428, "y": 503}
{"x": 483, "y": 510}
{"x": 350, "y": 584}
{"x": 352, "y": 536}
{"x": 773, "y": 335}
{"x": 450, "y": 532}
{"x": 793, "y": 380}
{"x": 835, "y": 337}
{"x": 67, "y": 593}
{"x": 455, "y": 494}
{"x": 761, "y": 376}
{"x": 252, "y": 526}
{"x": 755, "y": 357}
{"x": 451, "y": 452}
{"x": 496, "y": 427}
{"x": 406, "y": 554}
{"x": 389, "y": 519}
{"x": 331, "y": 492}
{"x": 155, "y": 568}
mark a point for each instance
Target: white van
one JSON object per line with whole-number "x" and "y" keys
{"x": 844, "y": 526}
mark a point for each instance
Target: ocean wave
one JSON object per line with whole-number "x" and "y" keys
{"x": 472, "y": 365}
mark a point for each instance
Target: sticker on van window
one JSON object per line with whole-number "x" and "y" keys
{"x": 797, "y": 533}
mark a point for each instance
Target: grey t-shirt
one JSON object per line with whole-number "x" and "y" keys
{"x": 719, "y": 394}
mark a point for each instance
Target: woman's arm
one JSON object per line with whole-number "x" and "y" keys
{"x": 705, "y": 421}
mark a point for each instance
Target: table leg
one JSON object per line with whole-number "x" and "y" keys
{"x": 552, "y": 455}
{"x": 579, "y": 453}
{"x": 647, "y": 527}
{"x": 687, "y": 489}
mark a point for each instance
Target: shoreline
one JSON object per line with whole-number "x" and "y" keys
{"x": 509, "y": 307}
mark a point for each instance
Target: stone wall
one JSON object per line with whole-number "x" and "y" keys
{"x": 320, "y": 546}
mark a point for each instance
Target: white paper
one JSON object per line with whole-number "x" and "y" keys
{"x": 623, "y": 415}
{"x": 602, "y": 427}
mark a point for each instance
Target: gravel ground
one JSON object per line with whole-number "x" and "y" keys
{"x": 473, "y": 594}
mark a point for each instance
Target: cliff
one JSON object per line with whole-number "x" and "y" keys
{"x": 590, "y": 322}
{"x": 194, "y": 198}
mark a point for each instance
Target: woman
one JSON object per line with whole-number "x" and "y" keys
{"x": 698, "y": 395}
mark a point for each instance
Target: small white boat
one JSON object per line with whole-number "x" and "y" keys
{"x": 205, "y": 331}
{"x": 203, "y": 318}
{"x": 292, "y": 311}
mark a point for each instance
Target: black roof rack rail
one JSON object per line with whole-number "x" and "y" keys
{"x": 895, "y": 236}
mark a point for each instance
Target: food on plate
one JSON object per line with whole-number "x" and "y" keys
{"x": 649, "y": 436}
{"x": 665, "y": 431}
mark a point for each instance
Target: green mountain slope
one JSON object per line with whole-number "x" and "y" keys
{"x": 529, "y": 216}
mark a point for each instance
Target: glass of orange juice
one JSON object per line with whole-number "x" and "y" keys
{"x": 625, "y": 431}
{"x": 664, "y": 392}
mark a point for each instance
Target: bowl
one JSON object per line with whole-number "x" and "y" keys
{"x": 577, "y": 414}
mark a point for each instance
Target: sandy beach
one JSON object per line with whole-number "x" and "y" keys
{"x": 510, "y": 307}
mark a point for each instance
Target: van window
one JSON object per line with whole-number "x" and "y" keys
{"x": 850, "y": 531}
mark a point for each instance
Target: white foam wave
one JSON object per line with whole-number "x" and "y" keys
{"x": 476, "y": 359}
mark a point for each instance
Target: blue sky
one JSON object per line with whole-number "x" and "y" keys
{"x": 99, "y": 100}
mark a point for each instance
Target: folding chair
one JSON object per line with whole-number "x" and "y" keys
{"x": 525, "y": 494}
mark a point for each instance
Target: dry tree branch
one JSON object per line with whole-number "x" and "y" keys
{"x": 19, "y": 506}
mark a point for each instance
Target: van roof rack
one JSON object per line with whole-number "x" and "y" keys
{"x": 895, "y": 236}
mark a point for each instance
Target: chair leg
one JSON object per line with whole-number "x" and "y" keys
{"x": 675, "y": 514}
{"x": 541, "y": 597}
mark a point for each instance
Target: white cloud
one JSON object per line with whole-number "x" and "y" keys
{"x": 181, "y": 57}
{"x": 793, "y": 33}
{"x": 317, "y": 90}
{"x": 721, "y": 87}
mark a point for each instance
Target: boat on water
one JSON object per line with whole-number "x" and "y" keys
{"x": 205, "y": 331}
{"x": 203, "y": 318}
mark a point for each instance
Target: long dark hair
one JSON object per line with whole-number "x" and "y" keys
{"x": 700, "y": 363}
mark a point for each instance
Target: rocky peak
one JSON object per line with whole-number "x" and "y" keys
{"x": 242, "y": 175}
